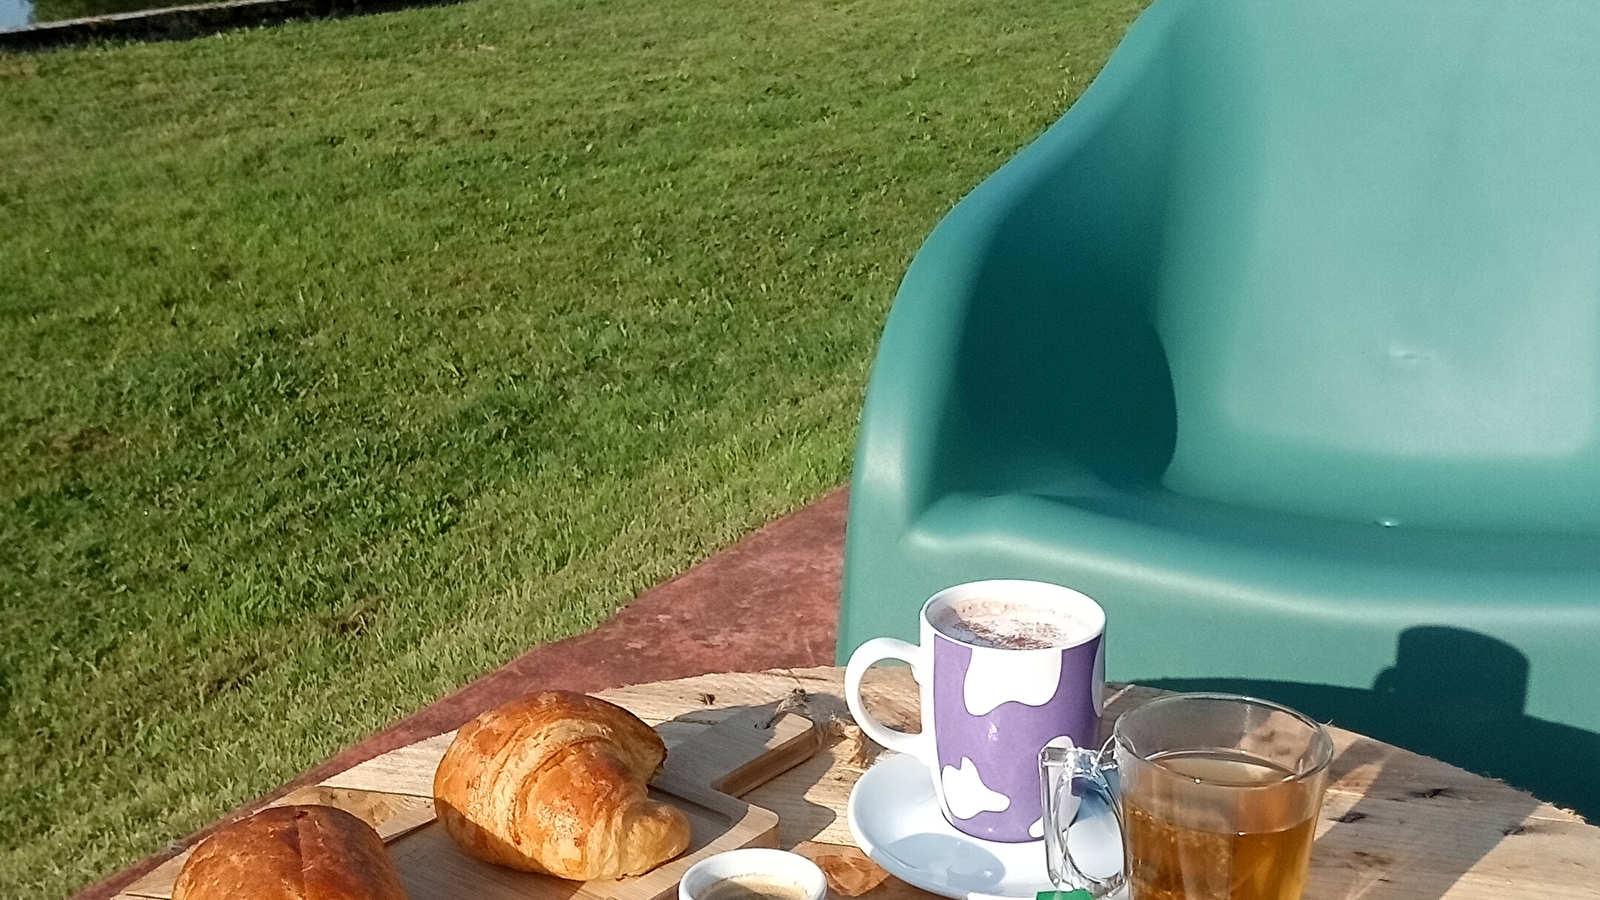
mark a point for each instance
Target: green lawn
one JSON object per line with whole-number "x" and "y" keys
{"x": 345, "y": 360}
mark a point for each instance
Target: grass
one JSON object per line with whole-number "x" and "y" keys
{"x": 345, "y": 360}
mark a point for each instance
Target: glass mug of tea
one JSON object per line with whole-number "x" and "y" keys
{"x": 1210, "y": 796}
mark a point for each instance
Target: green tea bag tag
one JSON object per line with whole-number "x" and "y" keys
{"x": 1079, "y": 894}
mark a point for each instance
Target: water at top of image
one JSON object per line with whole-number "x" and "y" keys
{"x": 21, "y": 13}
{"x": 15, "y": 14}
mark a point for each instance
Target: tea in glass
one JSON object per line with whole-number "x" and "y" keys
{"x": 1216, "y": 798}
{"x": 1232, "y": 827}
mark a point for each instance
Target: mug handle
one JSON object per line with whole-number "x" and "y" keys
{"x": 1082, "y": 819}
{"x": 867, "y": 655}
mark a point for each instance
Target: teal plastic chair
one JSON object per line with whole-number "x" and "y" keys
{"x": 1284, "y": 344}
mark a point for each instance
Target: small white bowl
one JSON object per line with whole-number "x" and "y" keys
{"x": 780, "y": 865}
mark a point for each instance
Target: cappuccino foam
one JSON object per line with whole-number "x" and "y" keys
{"x": 753, "y": 887}
{"x": 1007, "y": 625}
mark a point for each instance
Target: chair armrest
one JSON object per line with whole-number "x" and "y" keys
{"x": 1049, "y": 263}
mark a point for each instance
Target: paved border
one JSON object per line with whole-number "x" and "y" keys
{"x": 770, "y": 601}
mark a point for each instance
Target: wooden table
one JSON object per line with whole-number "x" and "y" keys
{"x": 1395, "y": 825}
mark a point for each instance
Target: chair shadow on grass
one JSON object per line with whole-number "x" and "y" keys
{"x": 1457, "y": 696}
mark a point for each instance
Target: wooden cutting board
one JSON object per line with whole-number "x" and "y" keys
{"x": 703, "y": 777}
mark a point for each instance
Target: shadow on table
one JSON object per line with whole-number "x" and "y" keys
{"x": 799, "y": 819}
{"x": 1454, "y": 695}
{"x": 1457, "y": 696}
{"x": 1375, "y": 850}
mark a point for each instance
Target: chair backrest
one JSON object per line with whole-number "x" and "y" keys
{"x": 1379, "y": 293}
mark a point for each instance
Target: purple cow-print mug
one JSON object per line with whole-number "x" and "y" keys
{"x": 1005, "y": 668}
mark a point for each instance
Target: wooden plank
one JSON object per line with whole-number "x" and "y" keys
{"x": 408, "y": 770}
{"x": 854, "y": 876}
{"x": 432, "y": 867}
{"x": 743, "y": 752}
{"x": 1411, "y": 850}
{"x": 748, "y": 747}
{"x": 1394, "y": 825}
{"x": 1453, "y": 834}
{"x": 391, "y": 815}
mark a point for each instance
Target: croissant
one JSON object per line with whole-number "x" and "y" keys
{"x": 291, "y": 853}
{"x": 554, "y": 782}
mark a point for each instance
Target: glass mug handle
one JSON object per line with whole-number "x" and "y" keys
{"x": 1082, "y": 819}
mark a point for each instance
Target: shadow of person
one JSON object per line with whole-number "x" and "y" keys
{"x": 1457, "y": 696}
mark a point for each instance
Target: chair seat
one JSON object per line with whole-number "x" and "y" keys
{"x": 1204, "y": 590}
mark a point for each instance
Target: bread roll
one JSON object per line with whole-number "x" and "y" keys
{"x": 291, "y": 853}
{"x": 554, "y": 782}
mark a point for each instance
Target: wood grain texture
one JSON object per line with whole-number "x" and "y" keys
{"x": 705, "y": 766}
{"x": 391, "y": 815}
{"x": 1394, "y": 825}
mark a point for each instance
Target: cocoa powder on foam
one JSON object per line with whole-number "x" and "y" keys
{"x": 1007, "y": 625}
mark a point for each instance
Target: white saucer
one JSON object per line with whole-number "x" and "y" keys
{"x": 895, "y": 819}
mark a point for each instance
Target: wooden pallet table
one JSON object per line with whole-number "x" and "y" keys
{"x": 1395, "y": 825}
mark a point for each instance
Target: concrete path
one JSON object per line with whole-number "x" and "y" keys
{"x": 770, "y": 601}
